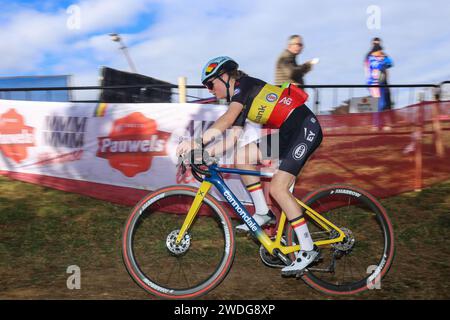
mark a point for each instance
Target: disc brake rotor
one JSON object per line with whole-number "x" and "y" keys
{"x": 180, "y": 248}
{"x": 346, "y": 244}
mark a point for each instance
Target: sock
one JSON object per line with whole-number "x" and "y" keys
{"x": 302, "y": 232}
{"x": 257, "y": 194}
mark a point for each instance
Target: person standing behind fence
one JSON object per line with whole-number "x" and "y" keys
{"x": 376, "y": 64}
{"x": 287, "y": 69}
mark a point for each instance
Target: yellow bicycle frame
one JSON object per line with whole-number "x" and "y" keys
{"x": 269, "y": 245}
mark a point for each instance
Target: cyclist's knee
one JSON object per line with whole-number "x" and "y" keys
{"x": 277, "y": 189}
{"x": 279, "y": 186}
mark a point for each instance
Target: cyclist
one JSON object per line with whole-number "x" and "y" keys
{"x": 280, "y": 108}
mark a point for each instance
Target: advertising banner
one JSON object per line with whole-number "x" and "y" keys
{"x": 123, "y": 145}
{"x": 120, "y": 152}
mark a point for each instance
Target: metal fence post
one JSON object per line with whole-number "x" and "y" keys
{"x": 418, "y": 152}
{"x": 316, "y": 101}
{"x": 182, "y": 89}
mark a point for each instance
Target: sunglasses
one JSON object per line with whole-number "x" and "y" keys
{"x": 210, "y": 84}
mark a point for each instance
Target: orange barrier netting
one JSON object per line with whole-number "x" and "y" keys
{"x": 385, "y": 153}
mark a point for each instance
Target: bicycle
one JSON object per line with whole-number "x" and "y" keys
{"x": 180, "y": 256}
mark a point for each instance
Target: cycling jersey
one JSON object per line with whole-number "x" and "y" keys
{"x": 299, "y": 133}
{"x": 264, "y": 103}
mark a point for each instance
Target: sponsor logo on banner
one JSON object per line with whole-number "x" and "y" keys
{"x": 65, "y": 132}
{"x": 15, "y": 136}
{"x": 132, "y": 143}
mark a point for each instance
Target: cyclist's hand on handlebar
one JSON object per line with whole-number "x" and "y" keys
{"x": 185, "y": 146}
{"x": 209, "y": 160}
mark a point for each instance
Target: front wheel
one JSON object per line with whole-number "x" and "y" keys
{"x": 177, "y": 271}
{"x": 363, "y": 258}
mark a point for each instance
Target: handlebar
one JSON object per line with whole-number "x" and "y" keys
{"x": 196, "y": 170}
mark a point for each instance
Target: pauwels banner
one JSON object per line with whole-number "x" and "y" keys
{"x": 119, "y": 145}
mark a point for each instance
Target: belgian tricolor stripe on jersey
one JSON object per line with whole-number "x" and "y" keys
{"x": 264, "y": 104}
{"x": 273, "y": 104}
{"x": 285, "y": 105}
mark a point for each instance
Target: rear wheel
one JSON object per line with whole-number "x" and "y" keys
{"x": 365, "y": 255}
{"x": 177, "y": 271}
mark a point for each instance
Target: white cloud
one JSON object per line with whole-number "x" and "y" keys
{"x": 184, "y": 38}
{"x": 29, "y": 35}
{"x": 181, "y": 36}
{"x": 110, "y": 14}
{"x": 26, "y": 39}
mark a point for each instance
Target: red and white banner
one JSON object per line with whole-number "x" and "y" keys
{"x": 118, "y": 152}
{"x": 128, "y": 146}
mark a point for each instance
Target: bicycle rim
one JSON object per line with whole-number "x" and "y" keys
{"x": 360, "y": 261}
{"x": 173, "y": 271}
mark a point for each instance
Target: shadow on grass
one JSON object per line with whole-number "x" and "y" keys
{"x": 43, "y": 231}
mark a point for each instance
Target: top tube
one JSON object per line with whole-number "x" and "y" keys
{"x": 241, "y": 172}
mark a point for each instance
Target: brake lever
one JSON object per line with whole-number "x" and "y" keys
{"x": 181, "y": 163}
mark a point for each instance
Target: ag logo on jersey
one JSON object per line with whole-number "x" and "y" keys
{"x": 286, "y": 101}
{"x": 271, "y": 97}
{"x": 299, "y": 151}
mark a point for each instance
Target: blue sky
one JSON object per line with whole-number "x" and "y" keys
{"x": 172, "y": 38}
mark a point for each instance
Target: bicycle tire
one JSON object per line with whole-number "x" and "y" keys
{"x": 152, "y": 283}
{"x": 360, "y": 204}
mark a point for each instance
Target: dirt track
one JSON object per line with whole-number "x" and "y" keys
{"x": 38, "y": 243}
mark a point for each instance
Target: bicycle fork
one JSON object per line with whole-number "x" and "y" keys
{"x": 201, "y": 194}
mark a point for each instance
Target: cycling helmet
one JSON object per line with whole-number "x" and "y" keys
{"x": 215, "y": 67}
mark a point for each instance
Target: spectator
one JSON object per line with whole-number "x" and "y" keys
{"x": 376, "y": 64}
{"x": 287, "y": 69}
{"x": 375, "y": 41}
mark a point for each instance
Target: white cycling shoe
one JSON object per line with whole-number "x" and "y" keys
{"x": 302, "y": 260}
{"x": 261, "y": 219}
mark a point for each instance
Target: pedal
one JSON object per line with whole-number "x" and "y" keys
{"x": 293, "y": 274}
{"x": 300, "y": 274}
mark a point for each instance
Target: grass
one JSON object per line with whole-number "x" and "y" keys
{"x": 44, "y": 231}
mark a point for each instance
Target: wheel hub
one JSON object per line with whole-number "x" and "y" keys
{"x": 180, "y": 248}
{"x": 346, "y": 244}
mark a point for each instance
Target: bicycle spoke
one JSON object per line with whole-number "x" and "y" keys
{"x": 188, "y": 266}
{"x": 364, "y": 244}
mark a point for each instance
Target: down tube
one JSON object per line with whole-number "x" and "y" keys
{"x": 242, "y": 212}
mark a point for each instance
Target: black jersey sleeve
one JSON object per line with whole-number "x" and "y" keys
{"x": 242, "y": 90}
{"x": 242, "y": 95}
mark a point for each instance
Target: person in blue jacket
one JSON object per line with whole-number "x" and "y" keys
{"x": 376, "y": 65}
